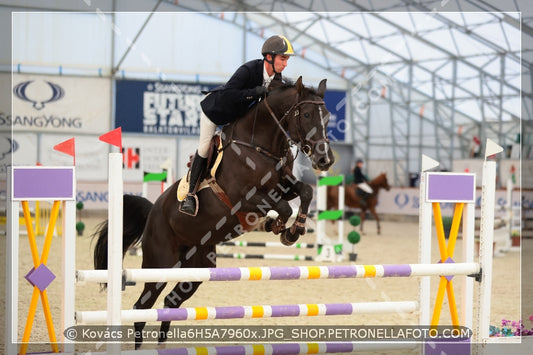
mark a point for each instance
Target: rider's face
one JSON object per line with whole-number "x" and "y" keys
{"x": 280, "y": 63}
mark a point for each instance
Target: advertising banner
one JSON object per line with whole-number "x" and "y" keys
{"x": 146, "y": 154}
{"x": 155, "y": 107}
{"x": 337, "y": 121}
{"x": 173, "y": 108}
{"x": 60, "y": 104}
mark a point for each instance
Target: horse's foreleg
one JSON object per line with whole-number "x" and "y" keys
{"x": 298, "y": 227}
{"x": 151, "y": 291}
{"x": 277, "y": 225}
{"x": 373, "y": 211}
{"x": 363, "y": 214}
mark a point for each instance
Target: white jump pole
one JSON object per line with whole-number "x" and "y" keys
{"x": 486, "y": 240}
{"x": 424, "y": 241}
{"x": 114, "y": 247}
{"x": 12, "y": 270}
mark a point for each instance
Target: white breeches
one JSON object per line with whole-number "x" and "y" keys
{"x": 207, "y": 130}
{"x": 365, "y": 187}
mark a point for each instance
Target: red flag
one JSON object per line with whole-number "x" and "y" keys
{"x": 114, "y": 137}
{"x": 67, "y": 147}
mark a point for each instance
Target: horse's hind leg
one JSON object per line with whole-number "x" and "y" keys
{"x": 150, "y": 293}
{"x": 181, "y": 292}
{"x": 196, "y": 256}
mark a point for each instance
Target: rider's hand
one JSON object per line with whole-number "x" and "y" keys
{"x": 260, "y": 91}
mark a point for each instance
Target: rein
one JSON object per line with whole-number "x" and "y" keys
{"x": 290, "y": 141}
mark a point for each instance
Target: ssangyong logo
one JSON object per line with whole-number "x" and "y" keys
{"x": 57, "y": 93}
{"x": 7, "y": 146}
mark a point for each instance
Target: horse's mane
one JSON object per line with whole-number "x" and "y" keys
{"x": 285, "y": 84}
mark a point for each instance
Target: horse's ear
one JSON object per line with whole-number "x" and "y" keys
{"x": 322, "y": 88}
{"x": 299, "y": 85}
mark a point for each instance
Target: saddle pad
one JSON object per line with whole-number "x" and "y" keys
{"x": 183, "y": 187}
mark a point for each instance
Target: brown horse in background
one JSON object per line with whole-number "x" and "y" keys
{"x": 353, "y": 200}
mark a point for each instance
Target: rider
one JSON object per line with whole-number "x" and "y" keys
{"x": 363, "y": 189}
{"x": 228, "y": 102}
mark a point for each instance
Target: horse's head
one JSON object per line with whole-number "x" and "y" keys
{"x": 306, "y": 122}
{"x": 381, "y": 181}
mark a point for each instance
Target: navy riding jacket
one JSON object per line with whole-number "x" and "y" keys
{"x": 230, "y": 101}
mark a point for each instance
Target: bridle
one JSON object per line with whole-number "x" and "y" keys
{"x": 309, "y": 145}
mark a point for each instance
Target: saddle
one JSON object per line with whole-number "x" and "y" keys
{"x": 213, "y": 161}
{"x": 209, "y": 181}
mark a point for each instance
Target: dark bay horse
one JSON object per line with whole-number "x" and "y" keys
{"x": 254, "y": 176}
{"x": 351, "y": 198}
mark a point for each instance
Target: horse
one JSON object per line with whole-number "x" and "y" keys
{"x": 253, "y": 177}
{"x": 352, "y": 199}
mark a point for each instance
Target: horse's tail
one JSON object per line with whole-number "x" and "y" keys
{"x": 136, "y": 210}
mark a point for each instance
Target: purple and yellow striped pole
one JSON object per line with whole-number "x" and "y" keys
{"x": 247, "y": 312}
{"x": 283, "y": 273}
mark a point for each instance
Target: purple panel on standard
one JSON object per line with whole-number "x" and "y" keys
{"x": 40, "y": 277}
{"x": 43, "y": 183}
{"x": 447, "y": 187}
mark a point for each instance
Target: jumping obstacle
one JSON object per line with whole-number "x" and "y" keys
{"x": 25, "y": 184}
{"x": 247, "y": 312}
{"x": 434, "y": 190}
{"x": 446, "y": 269}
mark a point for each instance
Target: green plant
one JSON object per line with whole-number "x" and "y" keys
{"x": 80, "y": 227}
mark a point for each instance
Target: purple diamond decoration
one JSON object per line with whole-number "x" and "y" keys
{"x": 449, "y": 260}
{"x": 40, "y": 277}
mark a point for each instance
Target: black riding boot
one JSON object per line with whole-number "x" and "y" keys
{"x": 190, "y": 204}
{"x": 363, "y": 195}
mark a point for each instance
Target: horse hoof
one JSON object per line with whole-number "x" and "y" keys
{"x": 268, "y": 224}
{"x": 297, "y": 231}
{"x": 288, "y": 239}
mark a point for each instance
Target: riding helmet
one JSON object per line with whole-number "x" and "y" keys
{"x": 277, "y": 45}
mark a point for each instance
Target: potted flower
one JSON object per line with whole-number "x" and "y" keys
{"x": 80, "y": 226}
{"x": 515, "y": 238}
{"x": 511, "y": 328}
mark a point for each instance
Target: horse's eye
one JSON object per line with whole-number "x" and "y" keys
{"x": 307, "y": 115}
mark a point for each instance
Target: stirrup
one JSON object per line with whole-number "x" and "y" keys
{"x": 188, "y": 199}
